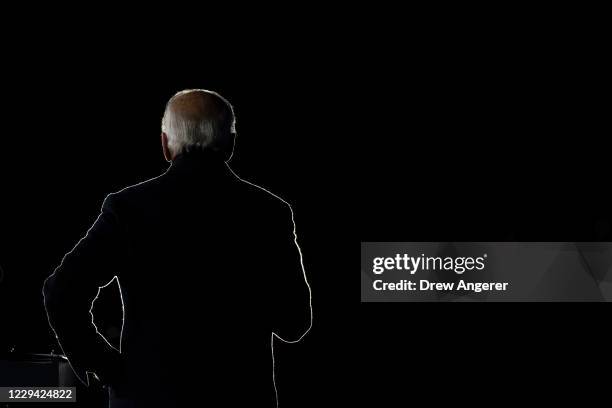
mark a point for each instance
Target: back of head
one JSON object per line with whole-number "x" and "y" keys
{"x": 197, "y": 119}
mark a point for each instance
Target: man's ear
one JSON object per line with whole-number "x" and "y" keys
{"x": 165, "y": 148}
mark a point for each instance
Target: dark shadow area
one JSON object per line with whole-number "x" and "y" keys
{"x": 83, "y": 131}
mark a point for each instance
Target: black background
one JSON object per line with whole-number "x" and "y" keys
{"x": 470, "y": 134}
{"x": 496, "y": 132}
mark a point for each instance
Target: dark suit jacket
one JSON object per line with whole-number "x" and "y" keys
{"x": 208, "y": 269}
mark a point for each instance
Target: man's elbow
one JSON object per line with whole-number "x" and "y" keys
{"x": 295, "y": 330}
{"x": 50, "y": 295}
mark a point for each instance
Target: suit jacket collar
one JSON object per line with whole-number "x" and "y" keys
{"x": 199, "y": 159}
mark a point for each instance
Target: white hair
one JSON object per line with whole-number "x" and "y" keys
{"x": 188, "y": 131}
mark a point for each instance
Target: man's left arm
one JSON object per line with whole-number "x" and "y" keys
{"x": 70, "y": 291}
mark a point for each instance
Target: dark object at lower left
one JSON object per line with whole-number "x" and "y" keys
{"x": 48, "y": 370}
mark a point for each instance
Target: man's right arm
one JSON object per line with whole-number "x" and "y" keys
{"x": 291, "y": 309}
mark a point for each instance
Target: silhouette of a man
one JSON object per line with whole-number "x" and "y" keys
{"x": 209, "y": 270}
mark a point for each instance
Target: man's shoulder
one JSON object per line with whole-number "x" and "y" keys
{"x": 264, "y": 196}
{"x": 243, "y": 192}
{"x": 142, "y": 190}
